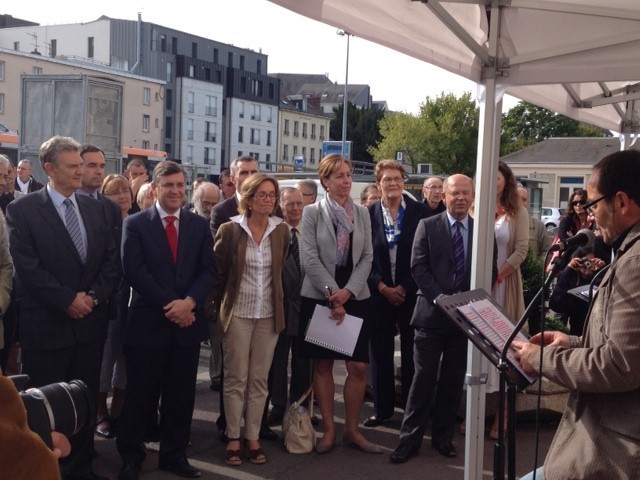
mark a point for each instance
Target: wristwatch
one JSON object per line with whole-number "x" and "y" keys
{"x": 92, "y": 294}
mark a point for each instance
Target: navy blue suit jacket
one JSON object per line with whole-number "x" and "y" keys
{"x": 157, "y": 280}
{"x": 381, "y": 267}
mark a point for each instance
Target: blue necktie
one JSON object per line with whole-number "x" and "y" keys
{"x": 458, "y": 255}
{"x": 73, "y": 227}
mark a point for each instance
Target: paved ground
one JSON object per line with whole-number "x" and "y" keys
{"x": 206, "y": 451}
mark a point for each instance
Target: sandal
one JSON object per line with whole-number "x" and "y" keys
{"x": 106, "y": 432}
{"x": 232, "y": 457}
{"x": 256, "y": 455}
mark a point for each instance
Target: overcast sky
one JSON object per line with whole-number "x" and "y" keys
{"x": 294, "y": 44}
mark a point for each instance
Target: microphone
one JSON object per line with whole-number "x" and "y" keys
{"x": 581, "y": 238}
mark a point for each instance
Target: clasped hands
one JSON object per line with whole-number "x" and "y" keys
{"x": 181, "y": 311}
{"x": 525, "y": 352}
{"x": 81, "y": 306}
{"x": 337, "y": 299}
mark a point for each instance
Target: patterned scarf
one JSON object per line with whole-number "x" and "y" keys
{"x": 392, "y": 227}
{"x": 342, "y": 218}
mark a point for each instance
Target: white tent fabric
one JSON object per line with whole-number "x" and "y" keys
{"x": 584, "y": 48}
{"x": 580, "y": 58}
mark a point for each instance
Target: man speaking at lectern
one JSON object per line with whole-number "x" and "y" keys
{"x": 599, "y": 435}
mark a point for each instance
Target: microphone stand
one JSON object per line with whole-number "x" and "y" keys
{"x": 507, "y": 391}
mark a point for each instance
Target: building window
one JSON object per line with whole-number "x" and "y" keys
{"x": 216, "y": 53}
{"x": 36, "y": 70}
{"x": 146, "y": 96}
{"x": 169, "y": 72}
{"x": 209, "y": 156}
{"x": 210, "y": 132}
{"x": 243, "y": 84}
{"x": 321, "y": 132}
{"x": 169, "y": 99}
{"x": 286, "y": 127}
{"x": 241, "y": 110}
{"x": 163, "y": 43}
{"x": 90, "y": 46}
{"x": 240, "y": 134}
{"x": 53, "y": 48}
{"x": 156, "y": 123}
{"x": 268, "y": 138}
{"x": 313, "y": 130}
{"x": 192, "y": 71}
{"x": 16, "y": 46}
{"x": 145, "y": 144}
{"x": 194, "y": 49}
{"x": 230, "y": 59}
{"x": 241, "y": 62}
{"x": 313, "y": 158}
{"x": 146, "y": 120}
{"x": 190, "y": 129}
{"x": 296, "y": 133}
{"x": 272, "y": 91}
{"x": 168, "y": 126}
{"x": 304, "y": 152}
{"x": 174, "y": 45}
{"x": 269, "y": 114}
{"x": 304, "y": 129}
{"x": 259, "y": 66}
{"x": 257, "y": 112}
{"x": 255, "y": 136}
{"x": 285, "y": 152}
{"x": 1, "y": 102}
{"x": 295, "y": 150}
{"x": 191, "y": 102}
{"x": 189, "y": 153}
{"x": 212, "y": 106}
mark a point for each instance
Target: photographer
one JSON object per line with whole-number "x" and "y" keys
{"x": 579, "y": 271}
{"x": 23, "y": 453}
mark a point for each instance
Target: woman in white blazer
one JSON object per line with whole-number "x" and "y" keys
{"x": 337, "y": 253}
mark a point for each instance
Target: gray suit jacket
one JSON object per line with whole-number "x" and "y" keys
{"x": 599, "y": 435}
{"x": 318, "y": 251}
{"x": 291, "y": 285}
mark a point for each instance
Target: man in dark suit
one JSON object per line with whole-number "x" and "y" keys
{"x": 93, "y": 164}
{"x": 240, "y": 169}
{"x": 291, "y": 202}
{"x": 66, "y": 268}
{"x": 24, "y": 182}
{"x": 432, "y": 193}
{"x": 441, "y": 265}
{"x": 167, "y": 256}
{"x": 394, "y": 220}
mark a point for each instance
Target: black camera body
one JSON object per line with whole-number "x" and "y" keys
{"x": 62, "y": 407}
{"x": 585, "y": 263}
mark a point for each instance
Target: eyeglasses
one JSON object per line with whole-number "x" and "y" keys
{"x": 264, "y": 195}
{"x": 387, "y": 180}
{"x": 588, "y": 207}
{"x": 579, "y": 202}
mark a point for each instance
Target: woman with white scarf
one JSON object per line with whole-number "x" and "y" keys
{"x": 337, "y": 253}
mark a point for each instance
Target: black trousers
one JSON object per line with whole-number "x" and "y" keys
{"x": 79, "y": 362}
{"x": 170, "y": 371}
{"x": 428, "y": 391}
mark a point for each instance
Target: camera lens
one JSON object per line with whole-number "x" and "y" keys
{"x": 68, "y": 406}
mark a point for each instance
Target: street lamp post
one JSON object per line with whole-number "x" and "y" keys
{"x": 345, "y": 100}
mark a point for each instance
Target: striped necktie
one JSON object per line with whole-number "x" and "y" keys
{"x": 458, "y": 255}
{"x": 73, "y": 227}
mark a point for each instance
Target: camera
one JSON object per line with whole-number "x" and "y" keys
{"x": 585, "y": 263}
{"x": 64, "y": 407}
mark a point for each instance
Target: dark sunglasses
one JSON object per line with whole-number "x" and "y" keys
{"x": 579, "y": 202}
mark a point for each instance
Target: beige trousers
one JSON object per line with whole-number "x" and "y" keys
{"x": 247, "y": 349}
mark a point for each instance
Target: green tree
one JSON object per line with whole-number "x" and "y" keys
{"x": 445, "y": 134}
{"x": 362, "y": 129}
{"x": 527, "y": 124}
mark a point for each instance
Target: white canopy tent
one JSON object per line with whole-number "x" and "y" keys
{"x": 580, "y": 58}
